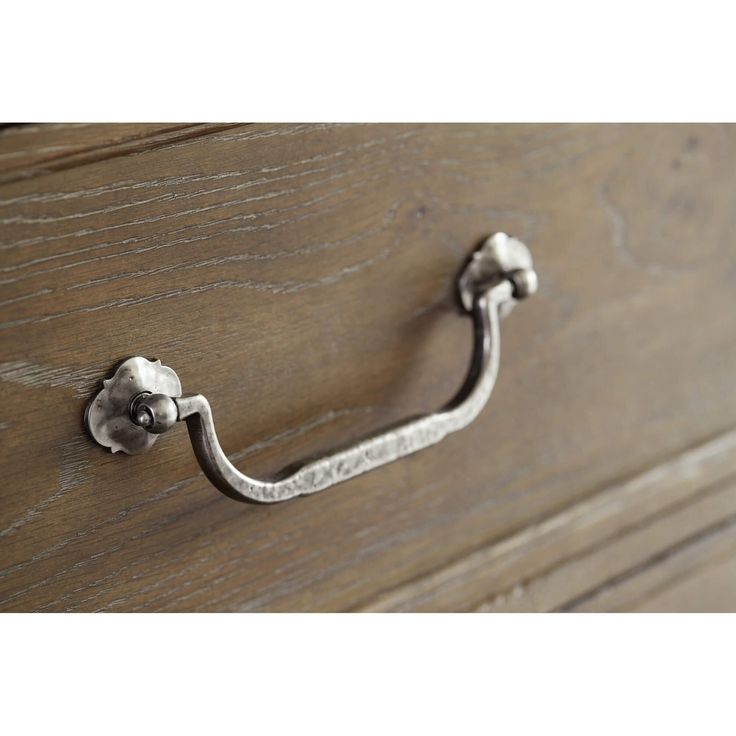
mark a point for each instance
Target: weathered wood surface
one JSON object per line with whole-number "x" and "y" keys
{"x": 33, "y": 150}
{"x": 302, "y": 278}
{"x": 571, "y": 558}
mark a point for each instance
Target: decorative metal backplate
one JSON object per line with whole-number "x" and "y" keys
{"x": 498, "y": 256}
{"x": 108, "y": 414}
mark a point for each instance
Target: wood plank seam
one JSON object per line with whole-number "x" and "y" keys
{"x": 699, "y": 470}
{"x": 726, "y": 524}
{"x": 133, "y": 145}
{"x": 616, "y": 555}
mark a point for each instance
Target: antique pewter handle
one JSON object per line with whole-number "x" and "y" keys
{"x": 143, "y": 399}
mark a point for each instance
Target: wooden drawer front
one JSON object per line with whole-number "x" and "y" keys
{"x": 302, "y": 277}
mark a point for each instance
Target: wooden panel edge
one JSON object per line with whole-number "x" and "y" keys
{"x": 504, "y": 565}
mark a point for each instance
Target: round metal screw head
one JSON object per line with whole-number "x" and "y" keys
{"x": 113, "y": 417}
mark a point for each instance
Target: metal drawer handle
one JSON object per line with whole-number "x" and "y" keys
{"x": 143, "y": 399}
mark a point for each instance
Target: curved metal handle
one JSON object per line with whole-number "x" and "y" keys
{"x": 143, "y": 399}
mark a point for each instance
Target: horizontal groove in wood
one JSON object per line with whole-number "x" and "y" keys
{"x": 28, "y": 151}
{"x": 697, "y": 574}
{"x": 554, "y": 545}
{"x": 647, "y": 545}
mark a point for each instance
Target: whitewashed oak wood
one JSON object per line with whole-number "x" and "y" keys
{"x": 339, "y": 245}
{"x": 605, "y": 535}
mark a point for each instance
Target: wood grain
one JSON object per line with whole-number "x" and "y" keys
{"x": 561, "y": 561}
{"x": 27, "y": 151}
{"x": 301, "y": 276}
